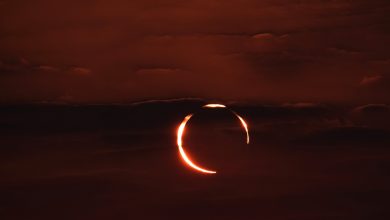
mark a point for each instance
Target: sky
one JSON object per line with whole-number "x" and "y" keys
{"x": 96, "y": 51}
{"x": 310, "y": 77}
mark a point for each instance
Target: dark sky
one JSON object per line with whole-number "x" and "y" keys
{"x": 117, "y": 50}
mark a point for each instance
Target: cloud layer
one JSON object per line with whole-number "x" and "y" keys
{"x": 246, "y": 50}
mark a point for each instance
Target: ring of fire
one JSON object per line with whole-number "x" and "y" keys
{"x": 180, "y": 133}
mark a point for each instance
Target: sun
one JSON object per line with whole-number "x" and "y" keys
{"x": 181, "y": 130}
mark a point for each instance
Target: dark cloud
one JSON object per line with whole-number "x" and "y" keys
{"x": 372, "y": 115}
{"x": 370, "y": 80}
{"x": 288, "y": 111}
{"x": 376, "y": 87}
{"x": 14, "y": 66}
{"x": 47, "y": 68}
{"x": 372, "y": 109}
{"x": 350, "y": 137}
{"x": 80, "y": 71}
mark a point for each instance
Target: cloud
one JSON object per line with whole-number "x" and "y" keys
{"x": 256, "y": 50}
{"x": 46, "y": 68}
{"x": 369, "y": 80}
{"x": 343, "y": 51}
{"x": 375, "y": 88}
{"x": 352, "y": 136}
{"x": 22, "y": 65}
{"x": 14, "y": 66}
{"x": 372, "y": 109}
{"x": 372, "y": 115}
{"x": 303, "y": 105}
{"x": 293, "y": 111}
{"x": 82, "y": 71}
{"x": 263, "y": 36}
{"x": 159, "y": 71}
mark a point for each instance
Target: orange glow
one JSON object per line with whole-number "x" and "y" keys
{"x": 180, "y": 133}
{"x": 183, "y": 154}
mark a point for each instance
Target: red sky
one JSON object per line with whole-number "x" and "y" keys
{"x": 119, "y": 51}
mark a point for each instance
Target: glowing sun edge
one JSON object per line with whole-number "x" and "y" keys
{"x": 183, "y": 154}
{"x": 243, "y": 123}
{"x": 214, "y": 106}
{"x": 180, "y": 133}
